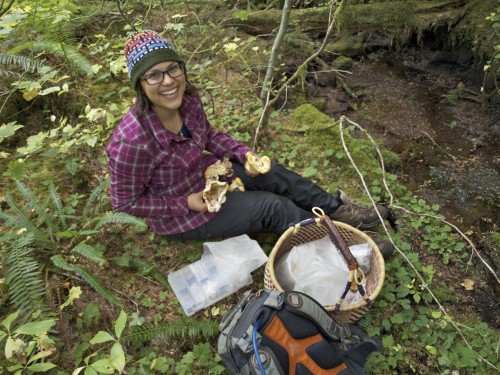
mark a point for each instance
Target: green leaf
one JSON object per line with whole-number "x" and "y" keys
{"x": 35, "y": 328}
{"x": 397, "y": 319}
{"x": 7, "y": 130}
{"x": 95, "y": 283}
{"x": 103, "y": 365}
{"x": 78, "y": 370}
{"x": 388, "y": 341}
{"x": 89, "y": 252}
{"x": 39, "y": 355}
{"x": 41, "y": 367}
{"x": 118, "y": 357}
{"x": 101, "y": 337}
{"x": 242, "y": 15}
{"x": 90, "y": 371}
{"x": 9, "y": 319}
{"x": 436, "y": 314}
{"x": 120, "y": 323}
{"x": 2, "y": 335}
{"x": 431, "y": 349}
{"x": 60, "y": 262}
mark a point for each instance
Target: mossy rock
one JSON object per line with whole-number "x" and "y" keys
{"x": 347, "y": 45}
{"x": 343, "y": 63}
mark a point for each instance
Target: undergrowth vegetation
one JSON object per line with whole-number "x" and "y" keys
{"x": 84, "y": 290}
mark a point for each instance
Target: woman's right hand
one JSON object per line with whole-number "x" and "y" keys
{"x": 196, "y": 202}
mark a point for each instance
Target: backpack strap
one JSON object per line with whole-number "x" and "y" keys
{"x": 308, "y": 307}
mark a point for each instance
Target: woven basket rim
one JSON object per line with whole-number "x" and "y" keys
{"x": 375, "y": 253}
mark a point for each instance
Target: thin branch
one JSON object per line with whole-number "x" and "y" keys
{"x": 304, "y": 65}
{"x": 7, "y": 7}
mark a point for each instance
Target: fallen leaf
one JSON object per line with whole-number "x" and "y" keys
{"x": 468, "y": 284}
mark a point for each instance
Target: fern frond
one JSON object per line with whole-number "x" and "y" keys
{"x": 27, "y": 64}
{"x": 56, "y": 199}
{"x": 196, "y": 329}
{"x": 95, "y": 283}
{"x": 60, "y": 49}
{"x": 61, "y": 263}
{"x": 90, "y": 203}
{"x": 38, "y": 206}
{"x": 25, "y": 282}
{"x": 20, "y": 220}
{"x": 121, "y": 218}
{"x": 89, "y": 252}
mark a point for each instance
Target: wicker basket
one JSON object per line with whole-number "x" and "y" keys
{"x": 311, "y": 230}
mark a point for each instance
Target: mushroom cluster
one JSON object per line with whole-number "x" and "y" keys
{"x": 215, "y": 190}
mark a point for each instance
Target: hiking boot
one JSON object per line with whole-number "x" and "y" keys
{"x": 386, "y": 247}
{"x": 362, "y": 217}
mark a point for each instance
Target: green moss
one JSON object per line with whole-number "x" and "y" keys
{"x": 347, "y": 45}
{"x": 495, "y": 237}
{"x": 342, "y": 63}
{"x": 319, "y": 149}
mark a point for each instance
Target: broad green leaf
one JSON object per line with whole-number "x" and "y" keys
{"x": 7, "y": 130}
{"x": 101, "y": 337}
{"x": 431, "y": 349}
{"x": 436, "y": 314}
{"x": 9, "y": 319}
{"x": 41, "y": 367}
{"x": 2, "y": 335}
{"x": 35, "y": 328}
{"x": 120, "y": 323}
{"x": 78, "y": 370}
{"x": 103, "y": 365}
{"x": 90, "y": 371}
{"x": 39, "y": 355}
{"x": 388, "y": 341}
{"x": 118, "y": 357}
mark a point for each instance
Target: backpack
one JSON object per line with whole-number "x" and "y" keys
{"x": 292, "y": 334}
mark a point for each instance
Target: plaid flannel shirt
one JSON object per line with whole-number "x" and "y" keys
{"x": 153, "y": 171}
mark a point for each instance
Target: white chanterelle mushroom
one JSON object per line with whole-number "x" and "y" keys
{"x": 255, "y": 165}
{"x": 215, "y": 191}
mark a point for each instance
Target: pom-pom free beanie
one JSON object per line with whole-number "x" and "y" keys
{"x": 144, "y": 49}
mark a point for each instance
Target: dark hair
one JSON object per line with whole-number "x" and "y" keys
{"x": 142, "y": 102}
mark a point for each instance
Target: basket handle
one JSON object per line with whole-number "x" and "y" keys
{"x": 337, "y": 239}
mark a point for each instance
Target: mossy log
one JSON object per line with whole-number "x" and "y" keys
{"x": 391, "y": 16}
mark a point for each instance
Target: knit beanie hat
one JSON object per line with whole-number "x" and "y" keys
{"x": 144, "y": 49}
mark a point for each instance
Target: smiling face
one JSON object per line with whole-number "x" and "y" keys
{"x": 166, "y": 96}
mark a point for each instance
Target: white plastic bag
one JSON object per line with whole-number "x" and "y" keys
{"x": 317, "y": 268}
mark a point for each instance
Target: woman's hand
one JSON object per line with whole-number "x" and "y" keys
{"x": 196, "y": 202}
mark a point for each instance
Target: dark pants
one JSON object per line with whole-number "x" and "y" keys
{"x": 271, "y": 202}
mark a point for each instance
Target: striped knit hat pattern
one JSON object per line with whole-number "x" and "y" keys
{"x": 143, "y": 50}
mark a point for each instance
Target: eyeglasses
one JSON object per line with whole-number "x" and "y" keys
{"x": 156, "y": 77}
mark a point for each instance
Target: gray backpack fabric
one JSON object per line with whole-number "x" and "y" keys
{"x": 293, "y": 334}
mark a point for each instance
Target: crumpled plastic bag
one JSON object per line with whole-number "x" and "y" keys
{"x": 224, "y": 268}
{"x": 318, "y": 269}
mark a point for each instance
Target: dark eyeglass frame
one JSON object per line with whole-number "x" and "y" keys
{"x": 168, "y": 72}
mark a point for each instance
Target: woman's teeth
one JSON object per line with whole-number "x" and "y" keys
{"x": 169, "y": 92}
